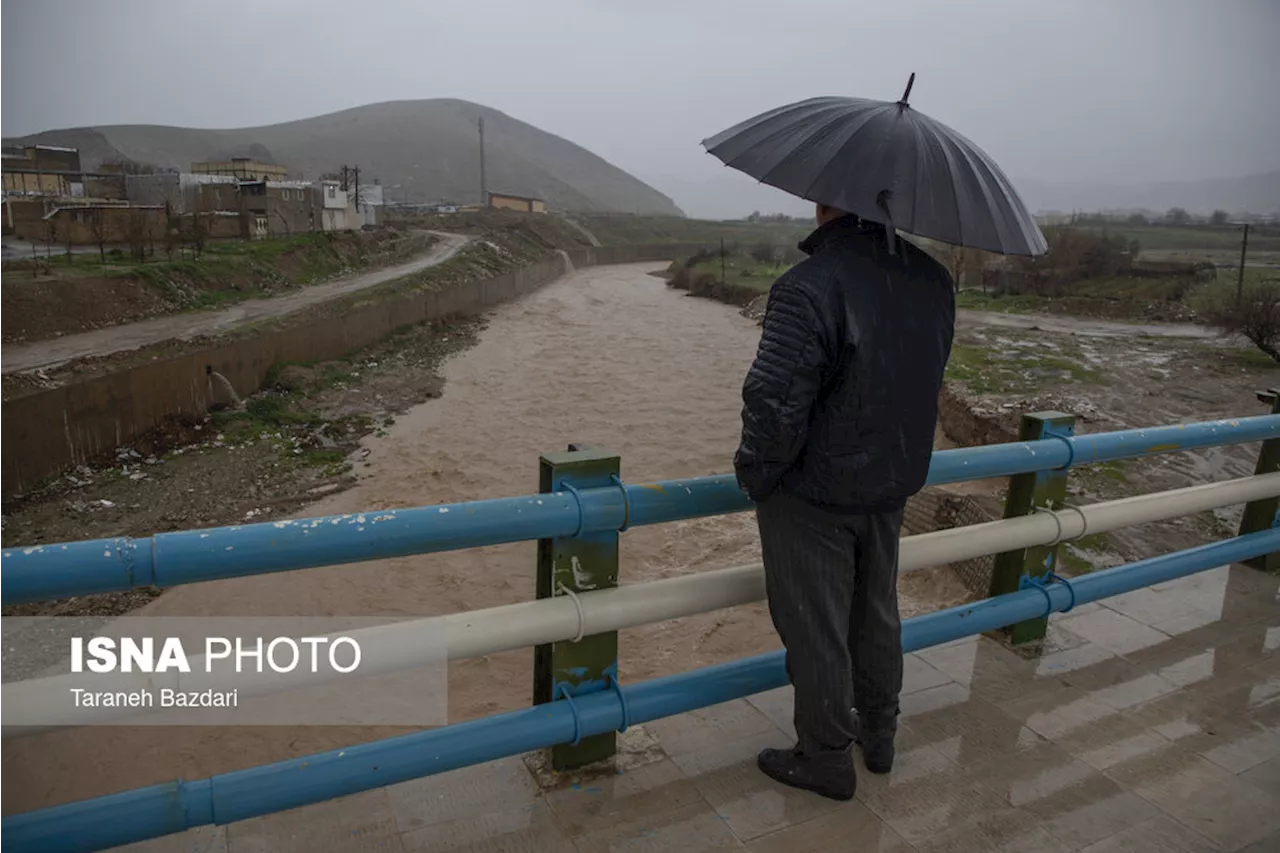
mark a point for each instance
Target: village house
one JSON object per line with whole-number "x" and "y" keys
{"x": 336, "y": 207}
{"x": 371, "y": 204}
{"x": 98, "y": 223}
{"x": 41, "y": 170}
{"x": 524, "y": 204}
{"x": 242, "y": 169}
{"x": 272, "y": 208}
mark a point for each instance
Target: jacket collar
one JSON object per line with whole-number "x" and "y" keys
{"x": 844, "y": 228}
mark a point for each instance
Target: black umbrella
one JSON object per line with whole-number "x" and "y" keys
{"x": 885, "y": 162}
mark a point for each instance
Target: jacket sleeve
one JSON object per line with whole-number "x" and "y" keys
{"x": 780, "y": 390}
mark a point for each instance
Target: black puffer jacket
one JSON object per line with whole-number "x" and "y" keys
{"x": 842, "y": 400}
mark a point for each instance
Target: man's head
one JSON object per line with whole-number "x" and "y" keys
{"x": 825, "y": 214}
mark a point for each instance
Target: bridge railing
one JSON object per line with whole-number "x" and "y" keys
{"x": 581, "y": 510}
{"x": 45, "y": 572}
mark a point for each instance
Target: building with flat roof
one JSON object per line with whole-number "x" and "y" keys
{"x": 524, "y": 204}
{"x": 241, "y": 168}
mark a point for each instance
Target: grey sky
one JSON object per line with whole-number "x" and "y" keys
{"x": 1090, "y": 90}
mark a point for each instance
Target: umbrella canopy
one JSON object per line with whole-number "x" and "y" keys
{"x": 886, "y": 162}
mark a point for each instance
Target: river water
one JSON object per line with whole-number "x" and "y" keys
{"x": 609, "y": 357}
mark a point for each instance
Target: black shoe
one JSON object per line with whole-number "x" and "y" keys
{"x": 830, "y": 774}
{"x": 876, "y": 742}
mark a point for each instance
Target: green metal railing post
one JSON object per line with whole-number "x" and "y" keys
{"x": 1047, "y": 489}
{"x": 1265, "y": 513}
{"x": 570, "y": 565}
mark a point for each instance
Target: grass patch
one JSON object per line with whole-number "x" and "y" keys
{"x": 986, "y": 371}
{"x": 1007, "y": 304}
{"x": 1193, "y": 237}
{"x": 1071, "y": 555}
{"x": 743, "y": 271}
{"x": 1113, "y": 471}
{"x": 614, "y": 229}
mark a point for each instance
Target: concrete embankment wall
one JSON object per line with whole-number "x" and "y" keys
{"x": 52, "y": 431}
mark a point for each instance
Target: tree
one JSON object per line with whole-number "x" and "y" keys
{"x": 136, "y": 234}
{"x": 199, "y": 234}
{"x": 1137, "y": 219}
{"x": 1256, "y": 316}
{"x": 98, "y": 228}
{"x": 1177, "y": 216}
{"x": 1219, "y": 217}
{"x": 963, "y": 263}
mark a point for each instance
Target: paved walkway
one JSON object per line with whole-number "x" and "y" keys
{"x": 1150, "y": 723}
{"x": 45, "y": 354}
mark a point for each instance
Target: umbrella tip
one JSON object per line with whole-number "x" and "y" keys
{"x": 911, "y": 81}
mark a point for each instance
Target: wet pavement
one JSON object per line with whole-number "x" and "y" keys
{"x": 1149, "y": 722}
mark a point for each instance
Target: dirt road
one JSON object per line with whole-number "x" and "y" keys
{"x": 608, "y": 356}
{"x": 966, "y": 319}
{"x": 51, "y": 353}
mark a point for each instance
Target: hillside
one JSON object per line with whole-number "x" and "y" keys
{"x": 421, "y": 150}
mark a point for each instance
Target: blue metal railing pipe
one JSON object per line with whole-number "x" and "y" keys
{"x": 170, "y": 559}
{"x": 163, "y": 809}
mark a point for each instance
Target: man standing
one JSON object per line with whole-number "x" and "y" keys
{"x": 839, "y": 413}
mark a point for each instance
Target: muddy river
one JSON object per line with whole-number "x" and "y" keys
{"x": 608, "y": 357}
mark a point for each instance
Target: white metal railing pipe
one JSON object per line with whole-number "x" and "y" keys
{"x": 531, "y": 623}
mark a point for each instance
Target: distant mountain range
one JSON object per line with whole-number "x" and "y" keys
{"x": 1250, "y": 194}
{"x": 420, "y": 151}
{"x": 731, "y": 195}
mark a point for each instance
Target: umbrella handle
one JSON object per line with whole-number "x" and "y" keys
{"x": 882, "y": 201}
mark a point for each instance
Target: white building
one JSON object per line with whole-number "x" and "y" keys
{"x": 336, "y": 207}
{"x": 371, "y": 204}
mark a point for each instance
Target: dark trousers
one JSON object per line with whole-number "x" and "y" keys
{"x": 832, "y": 582}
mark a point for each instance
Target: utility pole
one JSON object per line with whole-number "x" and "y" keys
{"x": 484, "y": 187}
{"x": 356, "y": 172}
{"x": 1244, "y": 247}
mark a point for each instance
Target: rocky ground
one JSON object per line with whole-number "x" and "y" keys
{"x": 1112, "y": 383}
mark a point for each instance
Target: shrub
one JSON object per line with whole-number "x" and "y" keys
{"x": 1256, "y": 316}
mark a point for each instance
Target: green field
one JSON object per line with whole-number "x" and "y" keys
{"x": 612, "y": 229}
{"x": 743, "y": 271}
{"x": 1213, "y": 238}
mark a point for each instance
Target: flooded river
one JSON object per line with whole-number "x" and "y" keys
{"x": 607, "y": 356}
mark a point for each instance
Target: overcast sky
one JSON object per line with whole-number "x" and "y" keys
{"x": 1086, "y": 90}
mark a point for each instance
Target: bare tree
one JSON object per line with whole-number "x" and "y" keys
{"x": 1256, "y": 316}
{"x": 98, "y": 228}
{"x": 963, "y": 263}
{"x": 136, "y": 233}
{"x": 1219, "y": 217}
{"x": 199, "y": 233}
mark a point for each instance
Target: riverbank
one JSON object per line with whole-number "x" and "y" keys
{"x": 295, "y": 442}
{"x": 1111, "y": 375}
{"x": 70, "y": 294}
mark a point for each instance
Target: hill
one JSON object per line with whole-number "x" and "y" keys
{"x": 1250, "y": 194}
{"x": 421, "y": 150}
